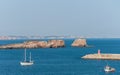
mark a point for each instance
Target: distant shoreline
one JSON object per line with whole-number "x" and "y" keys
{"x": 50, "y": 37}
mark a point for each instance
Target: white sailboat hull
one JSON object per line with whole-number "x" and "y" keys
{"x": 26, "y": 63}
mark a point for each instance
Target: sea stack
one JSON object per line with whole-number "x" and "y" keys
{"x": 79, "y": 43}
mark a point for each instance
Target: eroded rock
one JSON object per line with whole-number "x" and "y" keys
{"x": 79, "y": 43}
{"x": 36, "y": 44}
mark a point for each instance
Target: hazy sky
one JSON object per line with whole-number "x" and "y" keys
{"x": 88, "y": 18}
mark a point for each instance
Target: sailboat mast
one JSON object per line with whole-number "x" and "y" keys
{"x": 25, "y": 54}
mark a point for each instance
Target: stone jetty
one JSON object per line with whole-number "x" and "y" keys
{"x": 79, "y": 43}
{"x": 104, "y": 56}
{"x": 35, "y": 44}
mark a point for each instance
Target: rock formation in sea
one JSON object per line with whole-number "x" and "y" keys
{"x": 79, "y": 43}
{"x": 56, "y": 43}
{"x": 36, "y": 44}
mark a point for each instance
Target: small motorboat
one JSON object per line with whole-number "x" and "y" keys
{"x": 109, "y": 69}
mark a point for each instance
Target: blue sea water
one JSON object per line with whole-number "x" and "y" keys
{"x": 60, "y": 61}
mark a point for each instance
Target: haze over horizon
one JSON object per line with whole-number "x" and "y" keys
{"x": 87, "y": 18}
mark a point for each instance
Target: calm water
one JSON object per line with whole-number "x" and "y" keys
{"x": 60, "y": 61}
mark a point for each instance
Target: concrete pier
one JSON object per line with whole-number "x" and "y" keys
{"x": 102, "y": 56}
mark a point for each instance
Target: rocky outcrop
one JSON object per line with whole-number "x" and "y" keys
{"x": 56, "y": 43}
{"x": 79, "y": 43}
{"x": 36, "y": 44}
{"x": 11, "y": 46}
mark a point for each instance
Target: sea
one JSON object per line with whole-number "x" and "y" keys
{"x": 60, "y": 61}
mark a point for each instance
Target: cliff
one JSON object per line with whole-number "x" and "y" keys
{"x": 79, "y": 43}
{"x": 36, "y": 44}
{"x": 56, "y": 43}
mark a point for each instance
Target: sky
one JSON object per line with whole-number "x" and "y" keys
{"x": 87, "y": 18}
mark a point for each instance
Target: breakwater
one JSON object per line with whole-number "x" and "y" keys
{"x": 102, "y": 56}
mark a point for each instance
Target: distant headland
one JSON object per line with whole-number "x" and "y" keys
{"x": 37, "y": 37}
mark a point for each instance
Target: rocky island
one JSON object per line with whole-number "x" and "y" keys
{"x": 36, "y": 44}
{"x": 79, "y": 43}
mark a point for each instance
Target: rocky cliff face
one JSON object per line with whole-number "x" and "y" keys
{"x": 79, "y": 43}
{"x": 56, "y": 43}
{"x": 36, "y": 44}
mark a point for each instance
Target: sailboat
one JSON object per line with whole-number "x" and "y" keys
{"x": 25, "y": 62}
